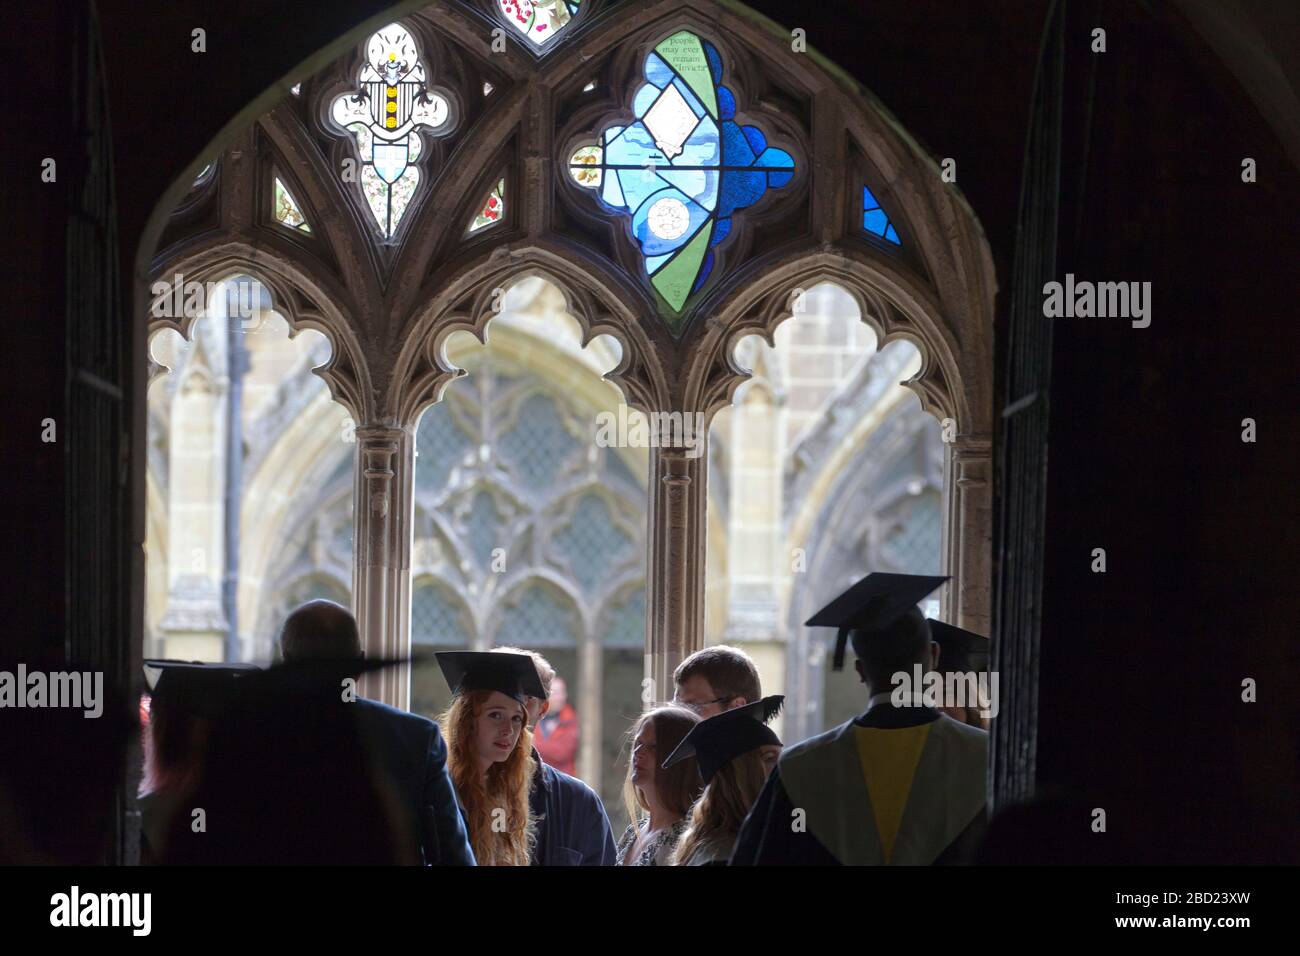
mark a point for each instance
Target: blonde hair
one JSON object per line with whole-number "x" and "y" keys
{"x": 723, "y": 805}
{"x": 505, "y": 788}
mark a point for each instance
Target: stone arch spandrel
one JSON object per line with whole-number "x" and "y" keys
{"x": 306, "y": 298}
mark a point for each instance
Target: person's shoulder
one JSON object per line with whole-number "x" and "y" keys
{"x": 957, "y": 728}
{"x": 804, "y": 747}
{"x": 384, "y": 713}
{"x": 569, "y": 782}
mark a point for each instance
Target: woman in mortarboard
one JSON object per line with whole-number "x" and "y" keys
{"x": 658, "y": 800}
{"x": 489, "y": 750}
{"x": 736, "y": 751}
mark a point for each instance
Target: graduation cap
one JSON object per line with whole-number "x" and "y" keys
{"x": 718, "y": 740}
{"x": 958, "y": 647}
{"x": 200, "y": 688}
{"x": 872, "y": 605}
{"x": 514, "y": 675}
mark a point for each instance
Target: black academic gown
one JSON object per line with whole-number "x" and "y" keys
{"x": 942, "y": 801}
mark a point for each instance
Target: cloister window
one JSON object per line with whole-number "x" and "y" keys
{"x": 603, "y": 232}
{"x": 525, "y": 532}
{"x": 249, "y": 482}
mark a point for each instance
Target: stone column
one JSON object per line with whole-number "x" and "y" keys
{"x": 381, "y": 588}
{"x": 968, "y": 548}
{"x": 675, "y": 565}
{"x": 194, "y": 624}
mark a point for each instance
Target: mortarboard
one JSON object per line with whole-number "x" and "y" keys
{"x": 957, "y": 646}
{"x": 872, "y": 604}
{"x": 514, "y": 675}
{"x": 200, "y": 688}
{"x": 718, "y": 740}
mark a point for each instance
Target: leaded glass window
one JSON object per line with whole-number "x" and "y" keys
{"x": 912, "y": 543}
{"x": 591, "y": 542}
{"x": 538, "y": 444}
{"x": 539, "y": 20}
{"x": 437, "y": 617}
{"x": 287, "y": 212}
{"x": 625, "y": 625}
{"x": 390, "y": 104}
{"x": 874, "y": 219}
{"x": 539, "y": 617}
{"x": 683, "y": 168}
{"x": 494, "y": 208}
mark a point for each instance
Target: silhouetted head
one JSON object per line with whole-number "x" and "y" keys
{"x": 320, "y": 630}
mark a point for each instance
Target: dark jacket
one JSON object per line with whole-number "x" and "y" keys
{"x": 572, "y": 828}
{"x": 411, "y": 751}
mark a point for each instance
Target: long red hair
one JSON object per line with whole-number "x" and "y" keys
{"x": 506, "y": 787}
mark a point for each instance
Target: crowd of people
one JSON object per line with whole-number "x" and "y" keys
{"x": 280, "y": 765}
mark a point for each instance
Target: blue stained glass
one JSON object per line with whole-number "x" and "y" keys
{"x": 715, "y": 62}
{"x": 740, "y": 190}
{"x": 700, "y": 184}
{"x": 612, "y": 192}
{"x": 705, "y": 270}
{"x": 874, "y": 219}
{"x": 726, "y": 103}
{"x": 696, "y": 106}
{"x": 736, "y": 144}
{"x": 702, "y": 148}
{"x": 652, "y": 263}
{"x": 657, "y": 71}
{"x": 684, "y": 166}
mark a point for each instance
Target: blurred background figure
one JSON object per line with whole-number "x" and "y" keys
{"x": 556, "y": 734}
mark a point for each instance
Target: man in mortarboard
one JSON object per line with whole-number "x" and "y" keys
{"x": 410, "y": 748}
{"x": 963, "y": 662}
{"x": 900, "y": 784}
{"x": 572, "y": 826}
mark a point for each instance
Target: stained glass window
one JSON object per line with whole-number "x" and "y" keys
{"x": 539, "y": 20}
{"x": 493, "y": 208}
{"x": 286, "y": 209}
{"x": 874, "y": 219}
{"x": 683, "y": 168}
{"x": 390, "y": 103}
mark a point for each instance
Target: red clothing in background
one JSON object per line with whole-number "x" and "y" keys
{"x": 556, "y": 739}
